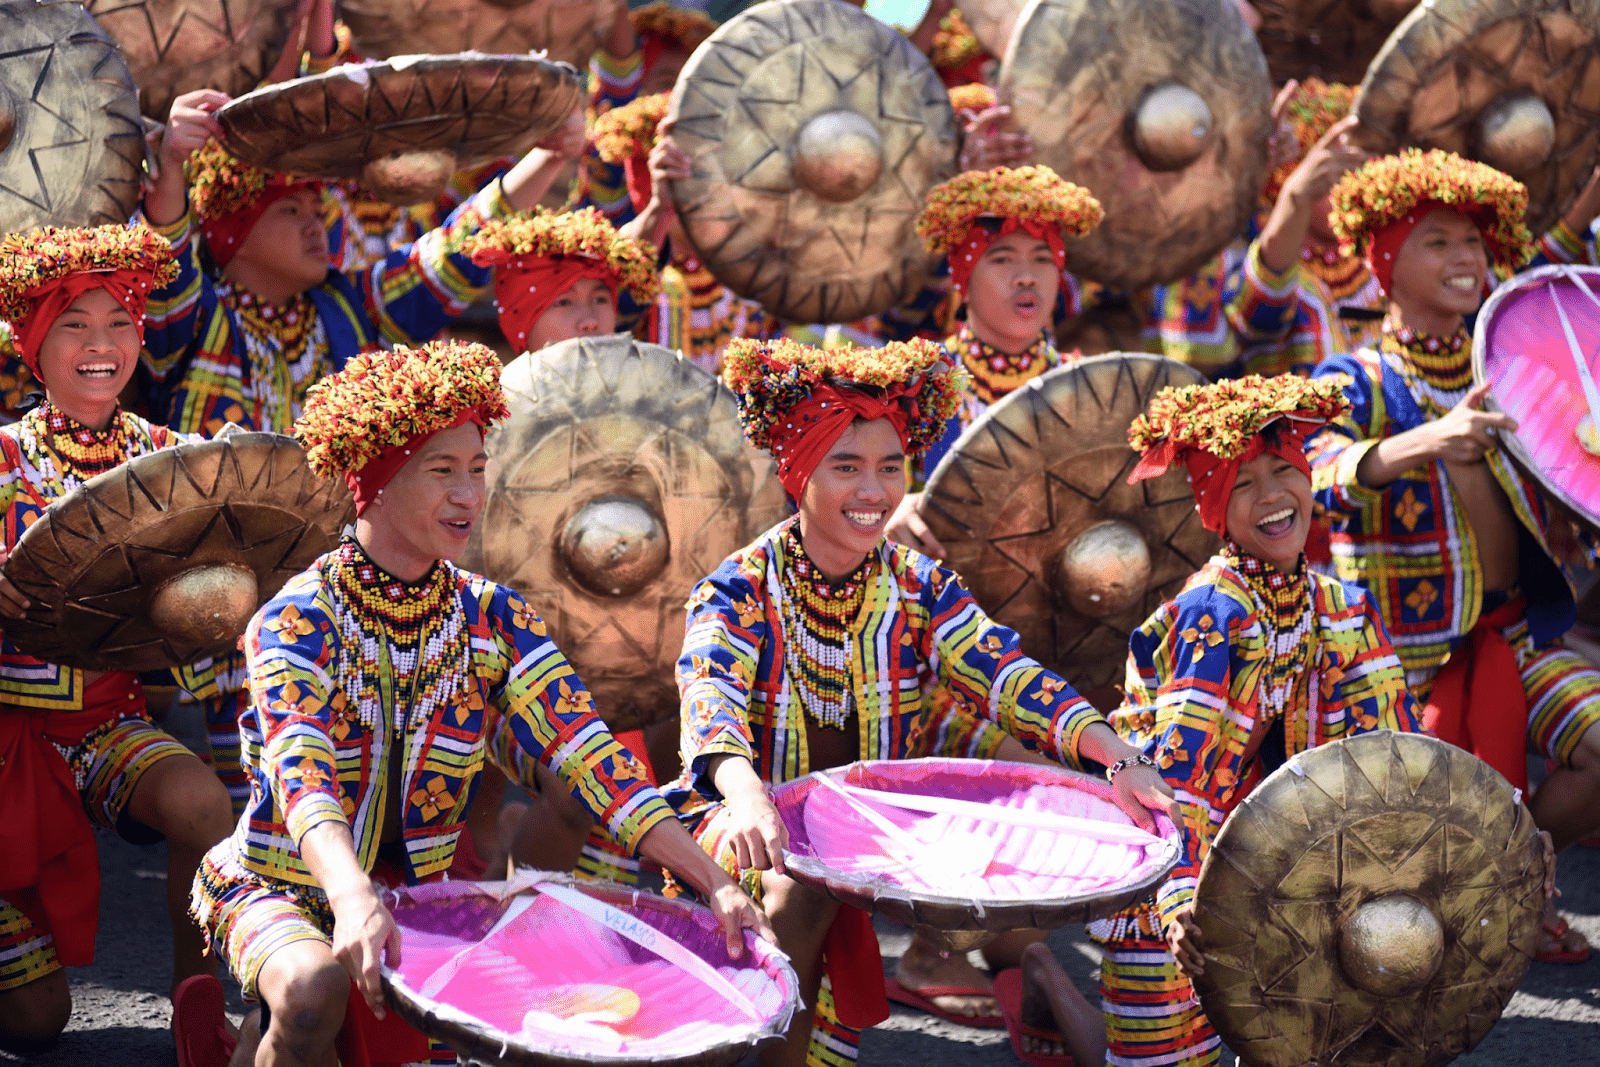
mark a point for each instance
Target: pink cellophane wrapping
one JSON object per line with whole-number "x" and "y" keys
{"x": 1523, "y": 353}
{"x": 1027, "y": 866}
{"x": 550, "y": 947}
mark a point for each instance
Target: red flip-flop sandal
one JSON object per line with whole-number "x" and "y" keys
{"x": 1561, "y": 953}
{"x": 1008, "y": 991}
{"x": 922, "y": 1000}
{"x": 200, "y": 1023}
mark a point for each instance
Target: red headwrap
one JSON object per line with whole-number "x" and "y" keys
{"x": 811, "y": 428}
{"x": 525, "y": 288}
{"x": 1386, "y": 241}
{"x": 1212, "y": 477}
{"x": 964, "y": 257}
{"x": 368, "y": 482}
{"x": 130, "y": 288}
{"x": 226, "y": 233}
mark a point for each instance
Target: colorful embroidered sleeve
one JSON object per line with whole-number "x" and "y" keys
{"x": 727, "y": 627}
{"x": 1563, "y": 245}
{"x": 949, "y": 729}
{"x": 1370, "y": 680}
{"x": 613, "y": 82}
{"x": 420, "y": 288}
{"x": 177, "y": 311}
{"x": 1337, "y": 450}
{"x": 1261, "y": 302}
{"x": 1181, "y": 675}
{"x": 982, "y": 664}
{"x": 545, "y": 713}
{"x": 290, "y": 648}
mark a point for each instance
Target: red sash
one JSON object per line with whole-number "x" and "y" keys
{"x": 51, "y": 871}
{"x": 1478, "y": 703}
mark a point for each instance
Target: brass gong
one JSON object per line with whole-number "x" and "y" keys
{"x": 566, "y": 31}
{"x": 620, "y": 480}
{"x": 816, "y": 131}
{"x": 1511, "y": 83}
{"x": 173, "y": 46}
{"x": 1034, "y": 509}
{"x": 1373, "y": 903}
{"x": 402, "y": 126}
{"x": 71, "y": 140}
{"x": 1161, "y": 109}
{"x": 163, "y": 560}
{"x": 1329, "y": 39}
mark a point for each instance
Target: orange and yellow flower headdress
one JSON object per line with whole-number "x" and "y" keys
{"x": 624, "y": 137}
{"x": 364, "y": 422}
{"x": 1376, "y": 207}
{"x": 540, "y": 255}
{"x": 1313, "y": 109}
{"x": 1215, "y": 429}
{"x": 1033, "y": 199}
{"x": 956, "y": 53}
{"x": 975, "y": 97}
{"x": 43, "y": 271}
{"x": 662, "y": 25}
{"x": 229, "y": 196}
{"x": 795, "y": 399}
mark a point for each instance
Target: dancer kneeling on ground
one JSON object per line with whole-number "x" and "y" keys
{"x": 79, "y": 743}
{"x": 1256, "y": 659}
{"x": 382, "y": 678}
{"x": 812, "y": 648}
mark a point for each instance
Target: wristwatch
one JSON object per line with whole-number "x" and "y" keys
{"x": 1139, "y": 759}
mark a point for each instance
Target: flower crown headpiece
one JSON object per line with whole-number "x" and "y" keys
{"x": 1222, "y": 418}
{"x": 973, "y": 96}
{"x": 771, "y": 378}
{"x": 1386, "y": 189}
{"x": 629, "y": 131}
{"x": 1033, "y": 194}
{"x": 31, "y": 260}
{"x": 381, "y": 400}
{"x": 547, "y": 235}
{"x": 1313, "y": 109}
{"x": 684, "y": 27}
{"x": 954, "y": 44}
{"x": 221, "y": 183}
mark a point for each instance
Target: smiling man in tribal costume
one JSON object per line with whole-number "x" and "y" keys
{"x": 1429, "y": 515}
{"x": 382, "y": 678}
{"x": 1255, "y": 660}
{"x": 77, "y": 748}
{"x": 812, "y": 648}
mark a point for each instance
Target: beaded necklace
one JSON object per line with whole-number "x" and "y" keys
{"x": 1437, "y": 369}
{"x": 83, "y": 452}
{"x": 819, "y": 619}
{"x": 287, "y": 348}
{"x": 995, "y": 373}
{"x": 1283, "y": 607}
{"x": 394, "y": 633}
{"x": 1342, "y": 276}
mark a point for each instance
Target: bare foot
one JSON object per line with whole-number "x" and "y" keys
{"x": 1559, "y": 939}
{"x": 923, "y": 967}
{"x": 1050, "y": 1002}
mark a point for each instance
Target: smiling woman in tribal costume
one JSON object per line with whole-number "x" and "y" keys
{"x": 812, "y": 647}
{"x": 382, "y": 679}
{"x": 1256, "y": 659}
{"x": 77, "y": 748}
{"x": 1428, "y": 513}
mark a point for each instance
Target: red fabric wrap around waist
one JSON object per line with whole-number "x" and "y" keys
{"x": 1478, "y": 702}
{"x": 45, "y": 837}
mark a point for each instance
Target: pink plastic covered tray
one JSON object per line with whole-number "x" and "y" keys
{"x": 980, "y": 845}
{"x": 1522, "y": 348}
{"x": 545, "y": 970}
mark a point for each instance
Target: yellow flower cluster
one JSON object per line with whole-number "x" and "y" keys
{"x": 547, "y": 235}
{"x": 772, "y": 377}
{"x": 1222, "y": 418}
{"x": 381, "y": 400}
{"x": 220, "y": 183}
{"x": 679, "y": 27}
{"x": 1036, "y": 194}
{"x": 630, "y": 130}
{"x": 954, "y": 45}
{"x": 973, "y": 96}
{"x": 35, "y": 258}
{"x": 1384, "y": 190}
{"x": 1313, "y": 109}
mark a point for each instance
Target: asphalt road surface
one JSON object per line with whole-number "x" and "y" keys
{"x": 121, "y": 1015}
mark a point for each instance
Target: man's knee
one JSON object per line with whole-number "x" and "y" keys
{"x": 188, "y": 803}
{"x": 33, "y": 1016}
{"x": 309, "y": 1009}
